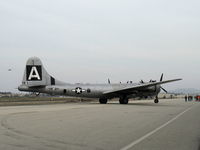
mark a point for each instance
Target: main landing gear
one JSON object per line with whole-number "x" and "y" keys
{"x": 156, "y": 100}
{"x": 123, "y": 100}
{"x": 103, "y": 101}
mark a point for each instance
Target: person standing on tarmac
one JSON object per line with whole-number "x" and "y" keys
{"x": 186, "y": 98}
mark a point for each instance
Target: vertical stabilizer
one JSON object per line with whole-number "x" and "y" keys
{"x": 36, "y": 75}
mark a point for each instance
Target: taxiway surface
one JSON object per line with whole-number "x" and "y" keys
{"x": 170, "y": 124}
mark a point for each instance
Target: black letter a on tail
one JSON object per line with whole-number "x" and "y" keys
{"x": 33, "y": 73}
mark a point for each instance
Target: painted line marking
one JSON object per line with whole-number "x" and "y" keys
{"x": 154, "y": 131}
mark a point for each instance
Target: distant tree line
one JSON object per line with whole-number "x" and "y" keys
{"x": 5, "y": 93}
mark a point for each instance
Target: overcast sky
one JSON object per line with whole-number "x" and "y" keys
{"x": 89, "y": 41}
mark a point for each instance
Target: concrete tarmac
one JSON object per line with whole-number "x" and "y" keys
{"x": 140, "y": 125}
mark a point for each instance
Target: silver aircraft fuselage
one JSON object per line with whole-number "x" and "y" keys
{"x": 91, "y": 90}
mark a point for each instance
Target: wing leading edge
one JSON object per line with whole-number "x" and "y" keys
{"x": 138, "y": 87}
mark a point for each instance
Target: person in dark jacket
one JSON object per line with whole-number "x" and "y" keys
{"x": 186, "y": 98}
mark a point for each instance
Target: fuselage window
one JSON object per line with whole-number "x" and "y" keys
{"x": 88, "y": 90}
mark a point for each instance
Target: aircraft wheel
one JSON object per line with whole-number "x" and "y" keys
{"x": 123, "y": 100}
{"x": 156, "y": 101}
{"x": 103, "y": 100}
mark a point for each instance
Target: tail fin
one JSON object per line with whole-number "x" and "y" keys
{"x": 36, "y": 75}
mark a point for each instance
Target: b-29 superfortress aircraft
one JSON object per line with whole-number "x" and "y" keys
{"x": 36, "y": 79}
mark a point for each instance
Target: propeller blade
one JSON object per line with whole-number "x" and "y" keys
{"x": 161, "y": 78}
{"x": 152, "y": 80}
{"x": 164, "y": 90}
{"x": 108, "y": 81}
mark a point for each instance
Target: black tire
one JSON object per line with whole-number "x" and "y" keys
{"x": 156, "y": 101}
{"x": 123, "y": 100}
{"x": 103, "y": 101}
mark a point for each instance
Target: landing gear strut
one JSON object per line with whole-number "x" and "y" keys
{"x": 103, "y": 100}
{"x": 156, "y": 100}
{"x": 123, "y": 100}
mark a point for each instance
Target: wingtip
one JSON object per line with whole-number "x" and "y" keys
{"x": 178, "y": 79}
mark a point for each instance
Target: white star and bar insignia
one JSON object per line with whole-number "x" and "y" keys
{"x": 78, "y": 90}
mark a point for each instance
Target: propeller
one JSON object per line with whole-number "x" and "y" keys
{"x": 108, "y": 81}
{"x": 161, "y": 78}
{"x": 152, "y": 80}
{"x": 163, "y": 89}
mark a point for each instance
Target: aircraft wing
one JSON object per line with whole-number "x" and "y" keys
{"x": 129, "y": 90}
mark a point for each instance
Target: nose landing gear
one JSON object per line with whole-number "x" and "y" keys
{"x": 156, "y": 100}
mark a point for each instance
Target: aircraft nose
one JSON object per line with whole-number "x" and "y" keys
{"x": 158, "y": 88}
